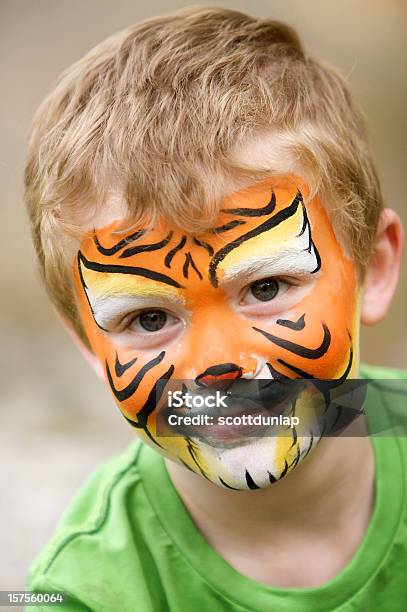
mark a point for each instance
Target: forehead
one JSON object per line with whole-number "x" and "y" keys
{"x": 263, "y": 230}
{"x": 237, "y": 211}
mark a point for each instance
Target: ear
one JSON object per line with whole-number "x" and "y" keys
{"x": 383, "y": 270}
{"x": 90, "y": 357}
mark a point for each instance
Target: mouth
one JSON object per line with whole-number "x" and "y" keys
{"x": 246, "y": 412}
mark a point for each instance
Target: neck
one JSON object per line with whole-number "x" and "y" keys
{"x": 332, "y": 488}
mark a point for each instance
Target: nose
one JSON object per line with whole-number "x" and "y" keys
{"x": 219, "y": 376}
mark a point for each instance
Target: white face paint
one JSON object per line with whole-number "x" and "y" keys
{"x": 292, "y": 252}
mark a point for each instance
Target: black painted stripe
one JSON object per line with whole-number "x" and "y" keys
{"x": 281, "y": 216}
{"x": 295, "y": 325}
{"x": 275, "y": 373}
{"x": 154, "y": 396}
{"x": 84, "y": 285}
{"x": 309, "y": 247}
{"x": 250, "y": 482}
{"x": 191, "y": 451}
{"x": 227, "y": 226}
{"x": 298, "y": 371}
{"x": 321, "y": 384}
{"x": 205, "y": 245}
{"x": 136, "y": 271}
{"x": 128, "y": 391}
{"x": 297, "y": 458}
{"x": 186, "y": 465}
{"x": 311, "y": 243}
{"x": 254, "y": 212}
{"x": 305, "y": 221}
{"x": 150, "y": 405}
{"x": 120, "y": 368}
{"x": 225, "y": 484}
{"x": 143, "y": 248}
{"x": 299, "y": 349}
{"x": 170, "y": 254}
{"x": 285, "y": 470}
{"x": 119, "y": 245}
{"x": 190, "y": 262}
{"x": 339, "y": 381}
{"x": 272, "y": 478}
{"x": 193, "y": 266}
{"x": 317, "y": 255}
{"x": 185, "y": 266}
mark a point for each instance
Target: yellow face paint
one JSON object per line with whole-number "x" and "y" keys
{"x": 111, "y": 284}
{"x": 163, "y": 305}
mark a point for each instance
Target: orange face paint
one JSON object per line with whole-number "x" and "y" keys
{"x": 207, "y": 316}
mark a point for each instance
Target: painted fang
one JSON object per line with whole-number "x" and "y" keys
{"x": 267, "y": 294}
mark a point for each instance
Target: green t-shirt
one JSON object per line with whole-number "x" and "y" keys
{"x": 127, "y": 543}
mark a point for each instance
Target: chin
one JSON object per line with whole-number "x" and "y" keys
{"x": 254, "y": 464}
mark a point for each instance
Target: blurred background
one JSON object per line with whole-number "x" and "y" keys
{"x": 57, "y": 420}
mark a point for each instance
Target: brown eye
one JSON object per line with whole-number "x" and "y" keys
{"x": 152, "y": 320}
{"x": 265, "y": 290}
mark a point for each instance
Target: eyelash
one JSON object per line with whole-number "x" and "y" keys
{"x": 128, "y": 320}
{"x": 286, "y": 280}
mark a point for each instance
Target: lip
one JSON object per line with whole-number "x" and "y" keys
{"x": 269, "y": 397}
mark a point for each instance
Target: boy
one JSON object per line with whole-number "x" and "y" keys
{"x": 206, "y": 211}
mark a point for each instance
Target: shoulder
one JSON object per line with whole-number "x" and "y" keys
{"x": 380, "y": 372}
{"x": 80, "y": 534}
{"x": 386, "y": 403}
{"x": 388, "y": 384}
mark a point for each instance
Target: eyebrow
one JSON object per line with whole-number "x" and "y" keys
{"x": 275, "y": 221}
{"x": 109, "y": 308}
{"x": 287, "y": 261}
{"x": 119, "y": 269}
{"x": 111, "y": 294}
{"x": 262, "y": 250}
{"x": 138, "y": 300}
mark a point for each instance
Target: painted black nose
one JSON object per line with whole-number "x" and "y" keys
{"x": 219, "y": 376}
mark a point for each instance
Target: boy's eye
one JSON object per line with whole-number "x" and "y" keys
{"x": 150, "y": 320}
{"x": 265, "y": 289}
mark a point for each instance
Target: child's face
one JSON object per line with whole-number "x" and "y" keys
{"x": 268, "y": 291}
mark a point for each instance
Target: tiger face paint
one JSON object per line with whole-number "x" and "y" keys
{"x": 266, "y": 293}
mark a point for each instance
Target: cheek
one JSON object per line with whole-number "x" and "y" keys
{"x": 331, "y": 315}
{"x": 318, "y": 336}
